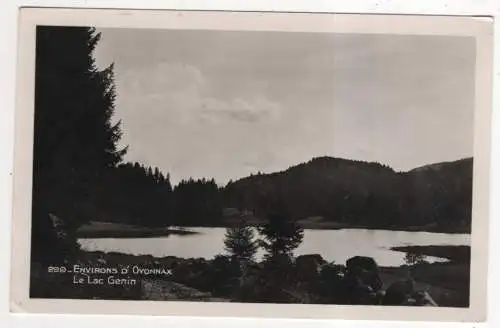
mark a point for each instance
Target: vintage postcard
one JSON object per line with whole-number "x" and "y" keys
{"x": 252, "y": 164}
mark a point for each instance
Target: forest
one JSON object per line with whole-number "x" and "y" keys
{"x": 372, "y": 195}
{"x": 436, "y": 197}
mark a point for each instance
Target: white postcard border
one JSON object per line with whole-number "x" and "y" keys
{"x": 480, "y": 27}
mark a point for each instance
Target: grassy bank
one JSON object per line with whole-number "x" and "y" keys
{"x": 456, "y": 254}
{"x": 117, "y": 230}
{"x": 448, "y": 283}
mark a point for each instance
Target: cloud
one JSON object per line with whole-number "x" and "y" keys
{"x": 243, "y": 110}
{"x": 182, "y": 92}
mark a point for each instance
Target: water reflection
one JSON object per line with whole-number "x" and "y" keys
{"x": 332, "y": 245}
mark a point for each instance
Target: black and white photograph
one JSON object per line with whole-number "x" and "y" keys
{"x": 253, "y": 166}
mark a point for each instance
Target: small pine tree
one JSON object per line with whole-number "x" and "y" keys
{"x": 280, "y": 236}
{"x": 240, "y": 242}
{"x": 413, "y": 258}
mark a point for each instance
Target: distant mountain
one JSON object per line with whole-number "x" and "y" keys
{"x": 441, "y": 194}
{"x": 465, "y": 163}
{"x": 434, "y": 197}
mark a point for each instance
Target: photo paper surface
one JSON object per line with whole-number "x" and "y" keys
{"x": 252, "y": 164}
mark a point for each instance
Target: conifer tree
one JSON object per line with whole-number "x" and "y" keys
{"x": 75, "y": 141}
{"x": 240, "y": 242}
{"x": 280, "y": 235}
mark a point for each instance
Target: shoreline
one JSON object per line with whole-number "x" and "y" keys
{"x": 117, "y": 230}
{"x": 455, "y": 254}
{"x": 447, "y": 283}
{"x": 110, "y": 230}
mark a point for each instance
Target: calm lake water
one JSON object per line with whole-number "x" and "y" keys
{"x": 332, "y": 245}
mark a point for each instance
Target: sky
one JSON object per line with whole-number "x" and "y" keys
{"x": 225, "y": 104}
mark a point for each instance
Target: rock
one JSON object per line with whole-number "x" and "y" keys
{"x": 365, "y": 270}
{"x": 399, "y": 293}
{"x": 364, "y": 262}
{"x": 310, "y": 258}
{"x": 361, "y": 282}
{"x": 308, "y": 266}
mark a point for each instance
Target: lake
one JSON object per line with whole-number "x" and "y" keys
{"x": 332, "y": 245}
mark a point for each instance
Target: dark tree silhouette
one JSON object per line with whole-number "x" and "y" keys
{"x": 412, "y": 258}
{"x": 280, "y": 235}
{"x": 75, "y": 139}
{"x": 136, "y": 194}
{"x": 240, "y": 242}
{"x": 197, "y": 203}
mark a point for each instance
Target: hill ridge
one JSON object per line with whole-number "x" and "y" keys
{"x": 361, "y": 193}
